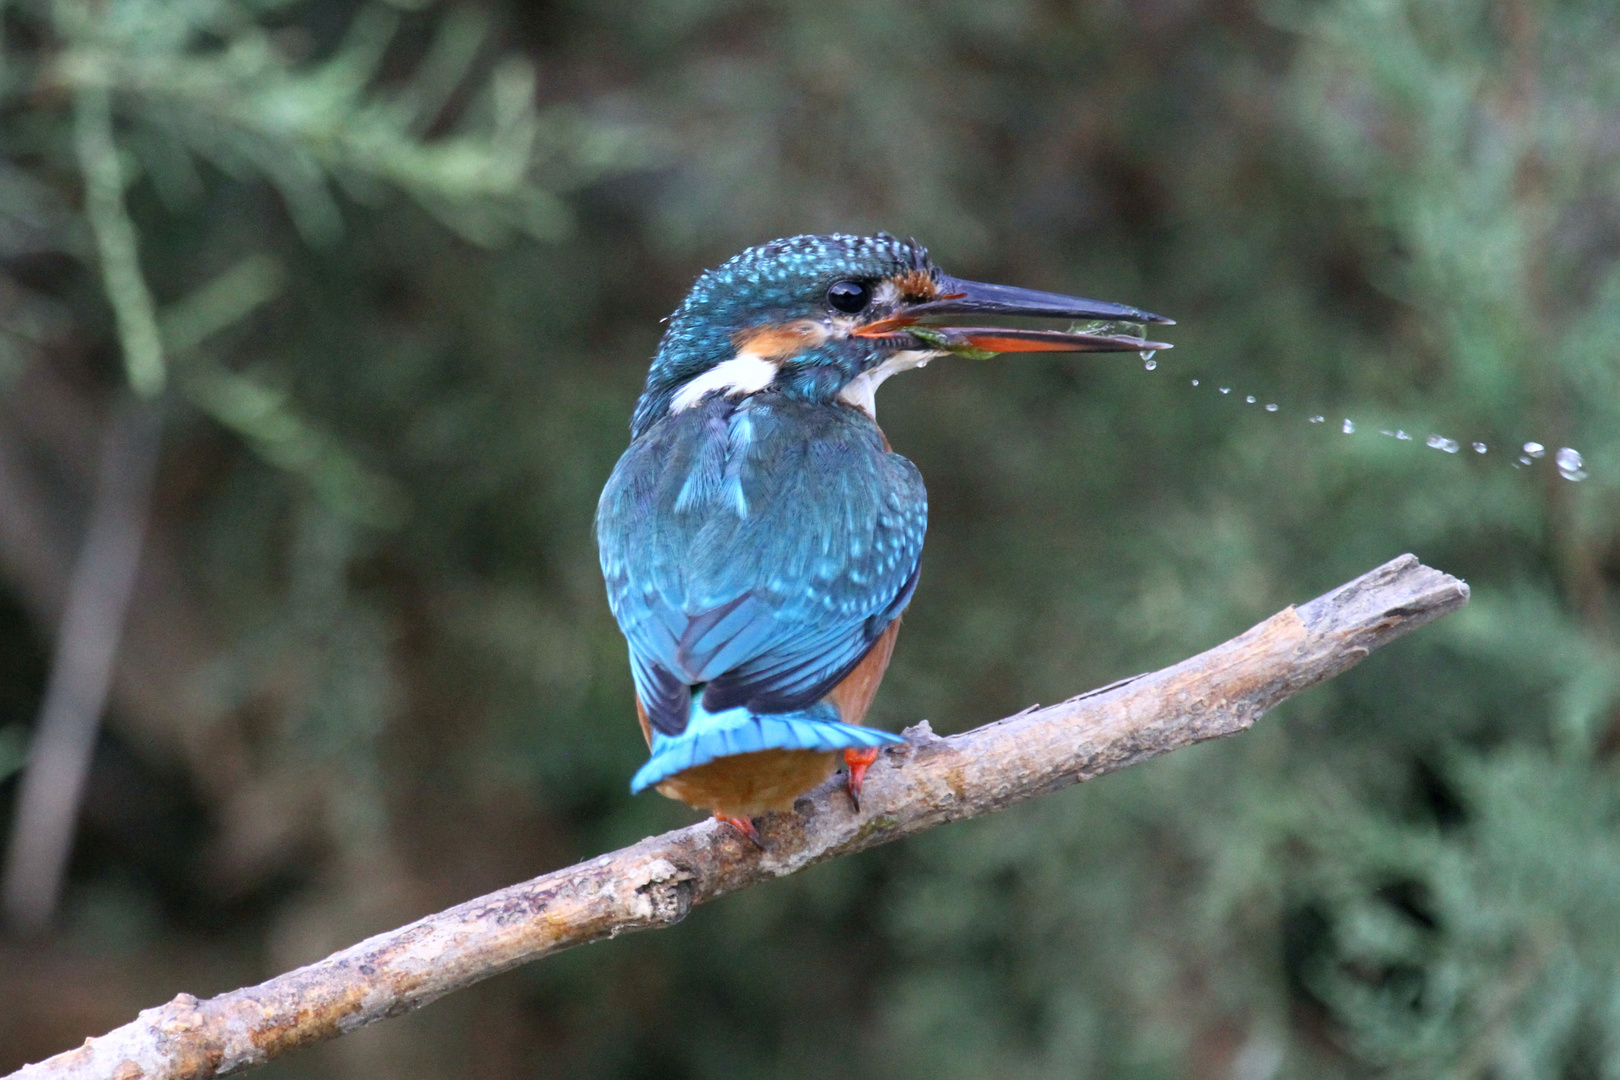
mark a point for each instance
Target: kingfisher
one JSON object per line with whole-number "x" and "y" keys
{"x": 759, "y": 538}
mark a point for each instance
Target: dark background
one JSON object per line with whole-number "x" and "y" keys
{"x": 369, "y": 670}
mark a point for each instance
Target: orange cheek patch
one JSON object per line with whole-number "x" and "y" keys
{"x": 781, "y": 342}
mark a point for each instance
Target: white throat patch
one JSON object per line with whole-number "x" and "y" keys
{"x": 746, "y": 373}
{"x": 862, "y": 389}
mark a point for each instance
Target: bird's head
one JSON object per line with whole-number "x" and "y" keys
{"x": 828, "y": 318}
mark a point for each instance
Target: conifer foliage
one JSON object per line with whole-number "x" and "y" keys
{"x": 392, "y": 273}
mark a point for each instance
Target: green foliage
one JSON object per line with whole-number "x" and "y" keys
{"x": 206, "y": 79}
{"x": 405, "y": 310}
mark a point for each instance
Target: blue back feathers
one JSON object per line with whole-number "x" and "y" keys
{"x": 758, "y": 548}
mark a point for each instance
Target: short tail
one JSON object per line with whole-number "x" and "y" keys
{"x": 737, "y": 731}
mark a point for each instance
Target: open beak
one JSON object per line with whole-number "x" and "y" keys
{"x": 974, "y": 298}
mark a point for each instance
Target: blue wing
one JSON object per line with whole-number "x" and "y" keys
{"x": 757, "y": 549}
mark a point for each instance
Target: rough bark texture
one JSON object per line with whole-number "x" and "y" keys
{"x": 927, "y": 782}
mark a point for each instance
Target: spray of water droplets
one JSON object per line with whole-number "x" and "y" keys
{"x": 1571, "y": 466}
{"x": 1569, "y": 462}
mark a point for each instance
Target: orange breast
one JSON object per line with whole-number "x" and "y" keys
{"x": 853, "y": 697}
{"x": 743, "y": 785}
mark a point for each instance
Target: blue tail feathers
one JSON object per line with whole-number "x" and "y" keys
{"x": 737, "y": 731}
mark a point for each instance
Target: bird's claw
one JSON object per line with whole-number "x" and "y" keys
{"x": 744, "y": 826}
{"x": 858, "y": 761}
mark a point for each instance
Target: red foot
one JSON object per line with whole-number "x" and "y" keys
{"x": 858, "y": 761}
{"x": 744, "y": 826}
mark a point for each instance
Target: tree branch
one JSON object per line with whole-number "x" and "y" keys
{"x": 927, "y": 782}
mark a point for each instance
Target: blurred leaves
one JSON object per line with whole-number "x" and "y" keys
{"x": 210, "y": 81}
{"x": 265, "y": 419}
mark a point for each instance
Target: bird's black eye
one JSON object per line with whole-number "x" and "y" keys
{"x": 849, "y": 296}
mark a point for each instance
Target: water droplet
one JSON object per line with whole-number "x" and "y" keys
{"x": 1479, "y": 448}
{"x": 1318, "y": 419}
{"x": 1195, "y": 382}
{"x": 1571, "y": 466}
{"x": 1250, "y": 399}
{"x": 1534, "y": 449}
{"x": 1271, "y": 407}
{"x": 1149, "y": 363}
{"x": 1385, "y": 431}
{"x": 1349, "y": 427}
{"x": 1440, "y": 442}
{"x": 1226, "y": 389}
{"x": 1523, "y": 460}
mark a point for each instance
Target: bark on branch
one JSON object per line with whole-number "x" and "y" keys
{"x": 927, "y": 782}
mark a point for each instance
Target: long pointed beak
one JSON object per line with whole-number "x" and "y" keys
{"x": 958, "y": 297}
